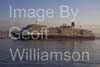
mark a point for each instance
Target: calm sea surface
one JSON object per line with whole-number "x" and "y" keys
{"x": 91, "y": 46}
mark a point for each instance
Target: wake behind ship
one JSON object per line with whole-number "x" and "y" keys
{"x": 61, "y": 32}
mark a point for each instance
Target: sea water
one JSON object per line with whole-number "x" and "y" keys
{"x": 90, "y": 46}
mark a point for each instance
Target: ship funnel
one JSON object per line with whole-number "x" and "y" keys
{"x": 73, "y": 24}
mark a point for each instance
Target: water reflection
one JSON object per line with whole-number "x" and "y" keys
{"x": 92, "y": 46}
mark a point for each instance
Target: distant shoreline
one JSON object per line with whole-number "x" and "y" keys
{"x": 4, "y": 36}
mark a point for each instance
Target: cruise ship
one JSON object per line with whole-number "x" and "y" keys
{"x": 37, "y": 31}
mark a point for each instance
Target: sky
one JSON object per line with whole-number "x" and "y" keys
{"x": 88, "y": 12}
